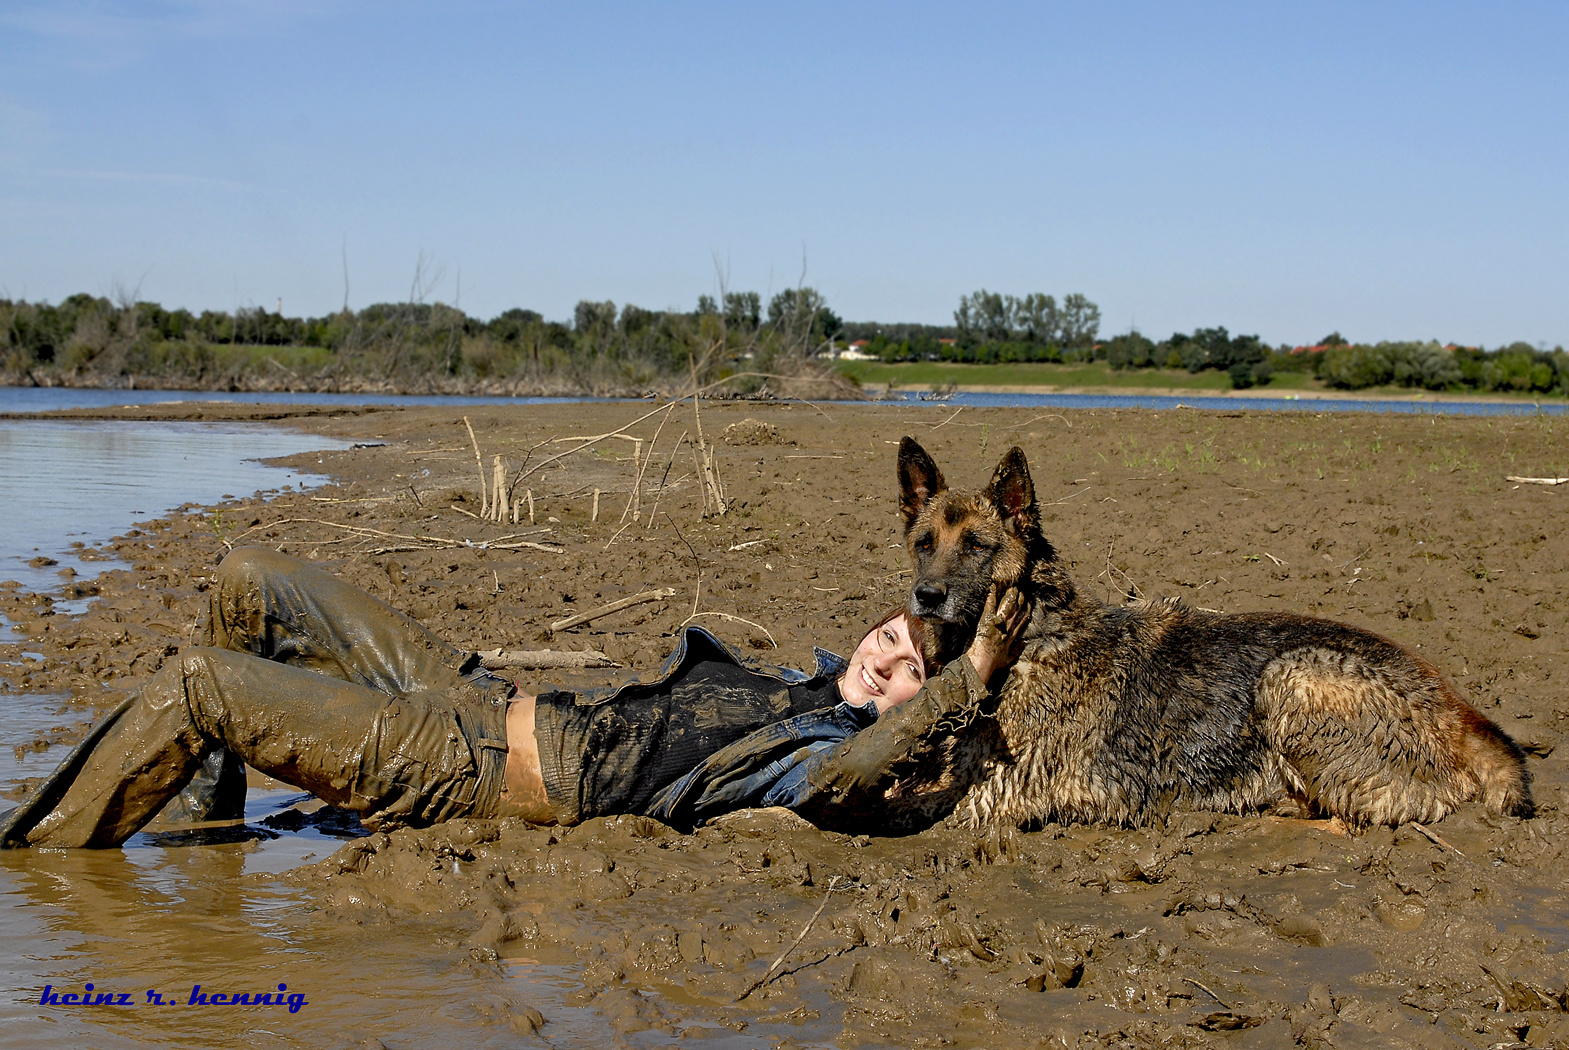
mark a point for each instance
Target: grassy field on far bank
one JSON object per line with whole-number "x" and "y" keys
{"x": 1098, "y": 376}
{"x": 927, "y": 375}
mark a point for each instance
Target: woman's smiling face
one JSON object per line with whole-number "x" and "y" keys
{"x": 886, "y": 668}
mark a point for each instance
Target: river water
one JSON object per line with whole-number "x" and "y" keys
{"x": 65, "y": 482}
{"x": 49, "y": 399}
{"x": 162, "y": 915}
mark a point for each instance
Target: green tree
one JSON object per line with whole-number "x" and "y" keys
{"x": 1037, "y": 318}
{"x": 743, "y": 310}
{"x": 1080, "y": 321}
{"x": 1130, "y": 351}
{"x": 1356, "y": 367}
{"x": 802, "y": 316}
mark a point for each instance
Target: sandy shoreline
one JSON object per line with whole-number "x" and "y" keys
{"x": 1210, "y": 930}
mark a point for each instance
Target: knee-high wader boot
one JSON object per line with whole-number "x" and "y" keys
{"x": 394, "y": 760}
{"x": 280, "y": 608}
{"x": 316, "y": 683}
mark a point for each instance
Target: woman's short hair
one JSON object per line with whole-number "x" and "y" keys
{"x": 920, "y": 635}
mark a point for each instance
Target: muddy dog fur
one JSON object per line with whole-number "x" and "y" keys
{"x": 1116, "y": 714}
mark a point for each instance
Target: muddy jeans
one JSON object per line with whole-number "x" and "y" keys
{"x": 307, "y": 679}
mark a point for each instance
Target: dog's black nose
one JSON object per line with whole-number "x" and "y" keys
{"x": 929, "y": 595}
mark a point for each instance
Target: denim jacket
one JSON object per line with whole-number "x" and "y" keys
{"x": 769, "y": 766}
{"x": 814, "y": 762}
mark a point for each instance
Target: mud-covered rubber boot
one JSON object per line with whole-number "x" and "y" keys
{"x": 282, "y": 609}
{"x": 216, "y": 791}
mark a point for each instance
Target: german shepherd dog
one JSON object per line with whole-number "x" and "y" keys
{"x": 1114, "y": 714}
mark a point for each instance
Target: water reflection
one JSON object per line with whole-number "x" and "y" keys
{"x": 165, "y": 920}
{"x": 89, "y": 481}
{"x": 53, "y": 399}
{"x": 27, "y": 722}
{"x": 161, "y": 919}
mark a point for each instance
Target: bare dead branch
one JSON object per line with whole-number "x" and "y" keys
{"x": 543, "y": 659}
{"x": 479, "y": 464}
{"x": 833, "y": 884}
{"x": 655, "y": 595}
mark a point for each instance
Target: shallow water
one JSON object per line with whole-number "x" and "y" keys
{"x": 148, "y": 919}
{"x": 169, "y": 911}
{"x": 50, "y": 399}
{"x": 66, "y": 482}
{"x": 27, "y": 722}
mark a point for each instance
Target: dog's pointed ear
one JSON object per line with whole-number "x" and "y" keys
{"x": 1012, "y": 491}
{"x": 919, "y": 479}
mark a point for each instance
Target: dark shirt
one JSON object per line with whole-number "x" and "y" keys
{"x": 713, "y": 730}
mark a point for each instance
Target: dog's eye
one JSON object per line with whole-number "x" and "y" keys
{"x": 977, "y": 546}
{"x": 923, "y": 543}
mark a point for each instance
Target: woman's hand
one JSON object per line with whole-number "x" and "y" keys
{"x": 999, "y": 633}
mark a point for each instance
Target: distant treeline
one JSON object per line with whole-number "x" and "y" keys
{"x": 1516, "y": 368}
{"x": 729, "y": 345}
{"x": 991, "y": 328}
{"x": 415, "y": 346}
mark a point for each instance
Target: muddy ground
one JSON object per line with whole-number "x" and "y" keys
{"x": 1212, "y": 930}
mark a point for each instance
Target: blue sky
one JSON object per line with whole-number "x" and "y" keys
{"x": 1388, "y": 170}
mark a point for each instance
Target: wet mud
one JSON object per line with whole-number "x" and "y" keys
{"x": 1205, "y": 930}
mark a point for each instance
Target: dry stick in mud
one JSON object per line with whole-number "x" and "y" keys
{"x": 1435, "y": 838}
{"x": 508, "y": 542}
{"x": 1206, "y": 989}
{"x": 635, "y": 504}
{"x": 615, "y": 606}
{"x": 587, "y": 442}
{"x": 697, "y": 467}
{"x": 697, "y": 590}
{"x": 478, "y": 463}
{"x": 616, "y": 535}
{"x": 659, "y": 494}
{"x": 755, "y": 985}
{"x": 543, "y": 659}
{"x": 1537, "y": 481}
{"x": 733, "y": 619}
{"x": 498, "y": 503}
{"x": 707, "y": 471}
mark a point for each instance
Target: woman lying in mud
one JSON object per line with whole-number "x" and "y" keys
{"x": 322, "y": 686}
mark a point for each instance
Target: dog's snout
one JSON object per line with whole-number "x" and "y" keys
{"x": 929, "y": 595}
